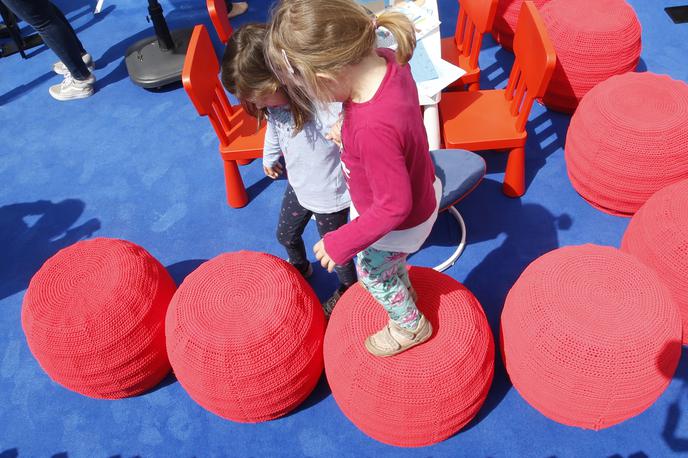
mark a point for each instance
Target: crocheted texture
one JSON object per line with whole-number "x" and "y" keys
{"x": 594, "y": 39}
{"x": 506, "y": 19}
{"x": 426, "y": 394}
{"x": 628, "y": 140}
{"x": 590, "y": 336}
{"x": 244, "y": 336}
{"x": 93, "y": 318}
{"x": 658, "y": 236}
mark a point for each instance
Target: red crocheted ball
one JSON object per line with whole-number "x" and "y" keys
{"x": 426, "y": 394}
{"x": 244, "y": 336}
{"x": 594, "y": 40}
{"x": 658, "y": 236}
{"x": 93, "y": 318}
{"x": 506, "y": 20}
{"x": 590, "y": 336}
{"x": 627, "y": 140}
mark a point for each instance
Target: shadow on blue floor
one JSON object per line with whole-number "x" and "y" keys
{"x": 32, "y": 232}
{"x": 180, "y": 270}
{"x": 675, "y": 436}
{"x": 530, "y": 229}
{"x": 320, "y": 392}
{"x": 18, "y": 91}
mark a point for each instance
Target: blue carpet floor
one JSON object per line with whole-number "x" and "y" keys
{"x": 141, "y": 165}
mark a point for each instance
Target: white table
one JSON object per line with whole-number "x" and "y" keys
{"x": 430, "y": 92}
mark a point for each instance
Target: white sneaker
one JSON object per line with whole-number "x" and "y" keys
{"x": 61, "y": 69}
{"x": 71, "y": 89}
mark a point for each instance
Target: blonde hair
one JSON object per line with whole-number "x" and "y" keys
{"x": 246, "y": 74}
{"x": 311, "y": 38}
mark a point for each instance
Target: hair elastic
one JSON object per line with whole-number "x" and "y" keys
{"x": 286, "y": 61}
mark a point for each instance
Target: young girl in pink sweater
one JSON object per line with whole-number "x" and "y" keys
{"x": 325, "y": 50}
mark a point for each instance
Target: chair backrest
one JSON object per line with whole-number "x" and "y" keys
{"x": 475, "y": 19}
{"x": 217, "y": 9}
{"x": 533, "y": 66}
{"x": 200, "y": 80}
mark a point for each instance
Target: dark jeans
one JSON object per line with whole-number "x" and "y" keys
{"x": 55, "y": 30}
{"x": 293, "y": 221}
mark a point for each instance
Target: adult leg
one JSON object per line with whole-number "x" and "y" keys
{"x": 64, "y": 20}
{"x": 292, "y": 222}
{"x": 56, "y": 32}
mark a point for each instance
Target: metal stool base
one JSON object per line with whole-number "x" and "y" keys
{"x": 462, "y": 242}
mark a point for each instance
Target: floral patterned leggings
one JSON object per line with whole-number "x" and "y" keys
{"x": 384, "y": 275}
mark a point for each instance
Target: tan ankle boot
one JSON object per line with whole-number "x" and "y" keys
{"x": 393, "y": 339}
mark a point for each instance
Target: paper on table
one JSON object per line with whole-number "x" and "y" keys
{"x": 444, "y": 72}
{"x": 447, "y": 74}
{"x": 376, "y": 6}
{"x": 422, "y": 67}
{"x": 422, "y": 17}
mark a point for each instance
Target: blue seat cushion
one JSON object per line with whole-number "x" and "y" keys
{"x": 460, "y": 171}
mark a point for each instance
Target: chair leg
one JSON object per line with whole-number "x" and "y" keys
{"x": 462, "y": 241}
{"x": 515, "y": 176}
{"x": 473, "y": 87}
{"x": 236, "y": 192}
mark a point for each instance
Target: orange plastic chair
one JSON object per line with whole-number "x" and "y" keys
{"x": 237, "y": 131}
{"x": 496, "y": 119}
{"x": 218, "y": 16}
{"x": 217, "y": 9}
{"x": 475, "y": 19}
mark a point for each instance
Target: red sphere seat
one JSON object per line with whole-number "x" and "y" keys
{"x": 94, "y": 314}
{"x": 244, "y": 336}
{"x": 590, "y": 336}
{"x": 627, "y": 140}
{"x": 658, "y": 236}
{"x": 505, "y": 21}
{"x": 427, "y": 393}
{"x": 594, "y": 40}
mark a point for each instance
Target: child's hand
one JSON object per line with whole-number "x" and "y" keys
{"x": 335, "y": 133}
{"x": 274, "y": 171}
{"x": 323, "y": 257}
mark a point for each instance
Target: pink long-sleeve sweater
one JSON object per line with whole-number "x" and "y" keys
{"x": 386, "y": 163}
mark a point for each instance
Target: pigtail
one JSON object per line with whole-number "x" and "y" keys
{"x": 403, "y": 32}
{"x": 309, "y": 42}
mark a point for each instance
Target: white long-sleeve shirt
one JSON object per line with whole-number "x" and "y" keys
{"x": 313, "y": 163}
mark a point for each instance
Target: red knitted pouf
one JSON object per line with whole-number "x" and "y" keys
{"x": 506, "y": 19}
{"x": 628, "y": 140}
{"x": 426, "y": 394}
{"x": 658, "y": 236}
{"x": 94, "y": 315}
{"x": 590, "y": 336}
{"x": 244, "y": 336}
{"x": 594, "y": 40}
